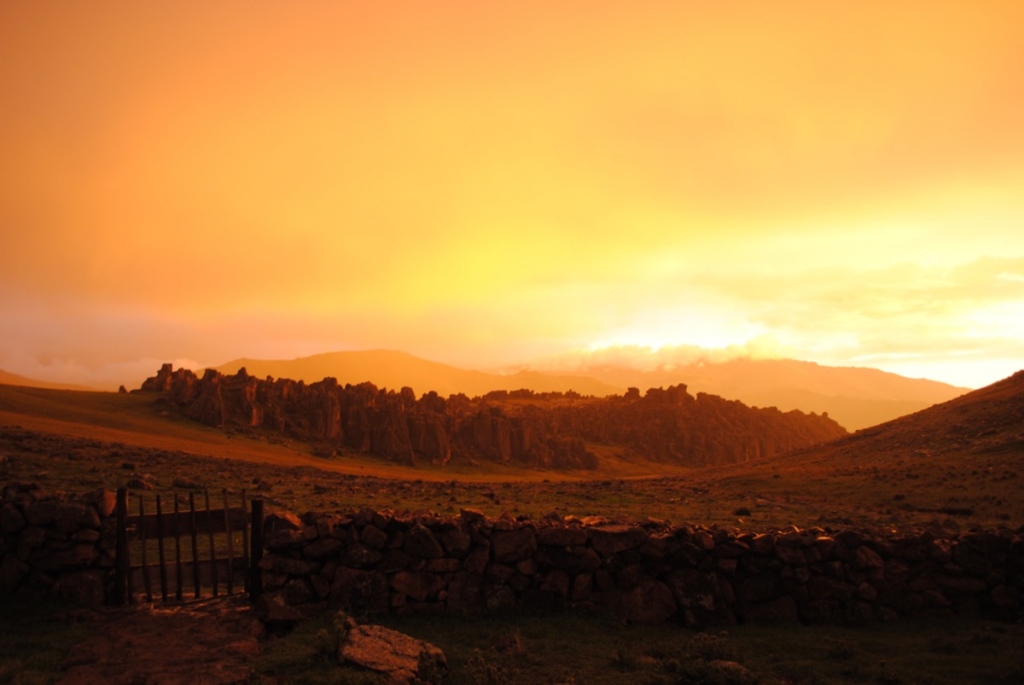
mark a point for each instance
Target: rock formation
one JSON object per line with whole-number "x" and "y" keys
{"x": 549, "y": 430}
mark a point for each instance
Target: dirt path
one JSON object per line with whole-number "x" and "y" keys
{"x": 204, "y": 642}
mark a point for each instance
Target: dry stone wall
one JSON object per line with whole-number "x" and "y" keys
{"x": 649, "y": 573}
{"x": 57, "y": 544}
{"x": 369, "y": 562}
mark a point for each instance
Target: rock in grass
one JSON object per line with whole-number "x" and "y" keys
{"x": 404, "y": 659}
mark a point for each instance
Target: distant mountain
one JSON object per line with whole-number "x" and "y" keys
{"x": 855, "y": 397}
{"x": 395, "y": 370}
{"x": 7, "y": 378}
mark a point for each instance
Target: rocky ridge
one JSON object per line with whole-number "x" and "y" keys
{"x": 549, "y": 430}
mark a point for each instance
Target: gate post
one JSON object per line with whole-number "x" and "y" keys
{"x": 256, "y": 551}
{"x": 122, "y": 564}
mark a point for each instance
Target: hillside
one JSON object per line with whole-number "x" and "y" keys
{"x": 548, "y": 430}
{"x": 988, "y": 420}
{"x": 7, "y": 378}
{"x": 951, "y": 464}
{"x": 392, "y": 369}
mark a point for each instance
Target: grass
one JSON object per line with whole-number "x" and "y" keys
{"x": 525, "y": 647}
{"x": 35, "y": 637}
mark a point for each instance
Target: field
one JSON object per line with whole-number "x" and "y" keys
{"x": 75, "y": 441}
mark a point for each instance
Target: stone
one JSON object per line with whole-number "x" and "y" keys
{"x": 103, "y": 501}
{"x": 732, "y": 549}
{"x": 11, "y": 520}
{"x": 763, "y": 544}
{"x": 360, "y": 591}
{"x": 513, "y": 545}
{"x": 281, "y": 520}
{"x": 297, "y": 591}
{"x": 420, "y": 542}
{"x": 700, "y": 597}
{"x": 649, "y": 603}
{"x": 321, "y": 549}
{"x": 374, "y": 537}
{"x": 731, "y": 672}
{"x": 476, "y": 561}
{"x": 418, "y": 585}
{"x": 41, "y": 513}
{"x": 556, "y": 582}
{"x": 610, "y": 540}
{"x": 456, "y": 542}
{"x": 286, "y": 565}
{"x": 759, "y": 588}
{"x": 827, "y": 587}
{"x": 582, "y": 587}
{"x": 360, "y": 556}
{"x": 555, "y": 536}
{"x": 470, "y": 515}
{"x": 866, "y": 558}
{"x": 404, "y": 659}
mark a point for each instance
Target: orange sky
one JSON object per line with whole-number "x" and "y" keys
{"x": 486, "y": 183}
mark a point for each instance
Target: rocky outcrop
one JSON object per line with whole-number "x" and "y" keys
{"x": 371, "y": 562}
{"x": 549, "y": 430}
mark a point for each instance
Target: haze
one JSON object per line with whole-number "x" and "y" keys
{"x": 489, "y": 184}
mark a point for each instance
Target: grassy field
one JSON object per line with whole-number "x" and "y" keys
{"x": 76, "y": 441}
{"x": 579, "y": 649}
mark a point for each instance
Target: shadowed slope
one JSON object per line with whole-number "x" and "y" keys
{"x": 962, "y": 459}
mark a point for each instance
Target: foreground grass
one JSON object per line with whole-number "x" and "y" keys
{"x": 35, "y": 636}
{"x": 570, "y": 648}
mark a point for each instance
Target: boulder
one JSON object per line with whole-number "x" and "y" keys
{"x": 404, "y": 659}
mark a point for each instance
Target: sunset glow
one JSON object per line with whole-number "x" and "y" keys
{"x": 487, "y": 184}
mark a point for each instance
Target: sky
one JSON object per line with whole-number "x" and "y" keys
{"x": 490, "y": 183}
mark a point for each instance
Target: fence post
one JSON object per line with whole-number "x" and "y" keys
{"x": 122, "y": 566}
{"x": 256, "y": 551}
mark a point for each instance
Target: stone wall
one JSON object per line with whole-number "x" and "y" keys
{"x": 57, "y": 544}
{"x": 64, "y": 545}
{"x": 649, "y": 573}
